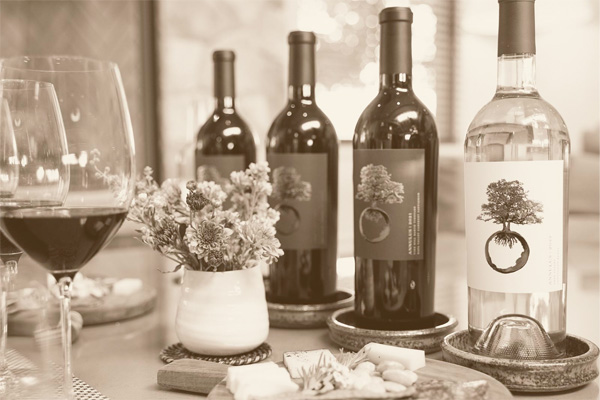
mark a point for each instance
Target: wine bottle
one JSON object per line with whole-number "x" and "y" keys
{"x": 302, "y": 151}
{"x": 224, "y": 143}
{"x": 516, "y": 187}
{"x": 395, "y": 192}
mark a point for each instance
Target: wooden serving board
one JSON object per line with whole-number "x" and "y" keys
{"x": 433, "y": 369}
{"x": 110, "y": 308}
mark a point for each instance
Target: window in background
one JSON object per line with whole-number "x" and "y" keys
{"x": 121, "y": 32}
{"x": 348, "y": 56}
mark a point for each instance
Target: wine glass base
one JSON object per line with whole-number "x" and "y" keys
{"x": 8, "y": 385}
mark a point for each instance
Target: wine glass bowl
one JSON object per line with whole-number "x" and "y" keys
{"x": 97, "y": 125}
{"x": 101, "y": 163}
{"x": 32, "y": 147}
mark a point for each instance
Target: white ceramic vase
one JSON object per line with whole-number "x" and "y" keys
{"x": 222, "y": 313}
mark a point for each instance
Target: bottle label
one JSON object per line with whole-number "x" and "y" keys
{"x": 218, "y": 168}
{"x": 514, "y": 225}
{"x": 388, "y": 203}
{"x": 300, "y": 195}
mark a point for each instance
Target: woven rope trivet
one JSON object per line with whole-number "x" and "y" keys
{"x": 177, "y": 351}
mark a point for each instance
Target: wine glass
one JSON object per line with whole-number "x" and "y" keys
{"x": 9, "y": 178}
{"x": 32, "y": 146}
{"x": 102, "y": 173}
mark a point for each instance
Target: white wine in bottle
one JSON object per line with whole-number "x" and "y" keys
{"x": 516, "y": 188}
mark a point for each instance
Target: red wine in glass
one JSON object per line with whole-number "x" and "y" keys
{"x": 10, "y": 254}
{"x": 62, "y": 240}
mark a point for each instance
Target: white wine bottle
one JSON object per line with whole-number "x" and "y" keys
{"x": 516, "y": 188}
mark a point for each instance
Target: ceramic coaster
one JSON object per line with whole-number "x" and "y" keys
{"x": 343, "y": 331}
{"x": 307, "y": 315}
{"x": 177, "y": 351}
{"x": 576, "y": 369}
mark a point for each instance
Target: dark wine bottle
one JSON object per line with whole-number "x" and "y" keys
{"x": 224, "y": 143}
{"x": 395, "y": 192}
{"x": 302, "y": 151}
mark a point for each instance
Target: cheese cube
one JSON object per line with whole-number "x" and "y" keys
{"x": 235, "y": 373}
{"x": 412, "y": 359}
{"x": 251, "y": 390}
{"x": 296, "y": 360}
{"x": 266, "y": 377}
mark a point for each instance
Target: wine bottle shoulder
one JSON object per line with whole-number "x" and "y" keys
{"x": 397, "y": 118}
{"x": 225, "y": 133}
{"x": 225, "y": 126}
{"x": 301, "y": 128}
{"x": 519, "y": 109}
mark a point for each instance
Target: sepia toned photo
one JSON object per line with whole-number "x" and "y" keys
{"x": 299, "y": 199}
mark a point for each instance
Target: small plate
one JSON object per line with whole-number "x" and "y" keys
{"x": 307, "y": 315}
{"x": 177, "y": 351}
{"x": 577, "y": 369}
{"x": 343, "y": 331}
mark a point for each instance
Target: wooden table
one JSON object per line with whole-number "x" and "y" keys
{"x": 121, "y": 359}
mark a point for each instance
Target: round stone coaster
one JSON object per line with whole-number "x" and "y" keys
{"x": 307, "y": 315}
{"x": 344, "y": 331}
{"x": 578, "y": 368}
{"x": 177, "y": 351}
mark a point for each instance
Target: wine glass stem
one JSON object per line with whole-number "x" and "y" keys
{"x": 64, "y": 288}
{"x": 12, "y": 271}
{"x": 4, "y": 285}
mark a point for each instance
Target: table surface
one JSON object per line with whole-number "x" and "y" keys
{"x": 121, "y": 359}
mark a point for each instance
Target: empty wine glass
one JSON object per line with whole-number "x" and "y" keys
{"x": 32, "y": 147}
{"x": 102, "y": 173}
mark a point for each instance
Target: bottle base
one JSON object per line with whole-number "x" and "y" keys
{"x": 396, "y": 324}
{"x": 313, "y": 300}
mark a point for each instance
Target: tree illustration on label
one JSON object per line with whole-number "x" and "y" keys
{"x": 508, "y": 204}
{"x": 288, "y": 185}
{"x": 377, "y": 187}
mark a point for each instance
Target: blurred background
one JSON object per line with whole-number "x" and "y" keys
{"x": 164, "y": 51}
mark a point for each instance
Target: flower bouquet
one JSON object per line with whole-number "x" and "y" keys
{"x": 223, "y": 310}
{"x": 196, "y": 231}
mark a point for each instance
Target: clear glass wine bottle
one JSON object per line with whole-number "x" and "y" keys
{"x": 516, "y": 134}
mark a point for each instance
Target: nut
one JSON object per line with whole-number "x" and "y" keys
{"x": 394, "y": 387}
{"x": 384, "y": 366}
{"x": 406, "y": 378}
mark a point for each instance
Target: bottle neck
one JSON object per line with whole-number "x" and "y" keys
{"x": 395, "y": 61}
{"x": 302, "y": 93}
{"x": 516, "y": 47}
{"x": 301, "y": 72}
{"x": 516, "y": 73}
{"x": 224, "y": 85}
{"x": 402, "y": 82}
{"x": 224, "y": 103}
